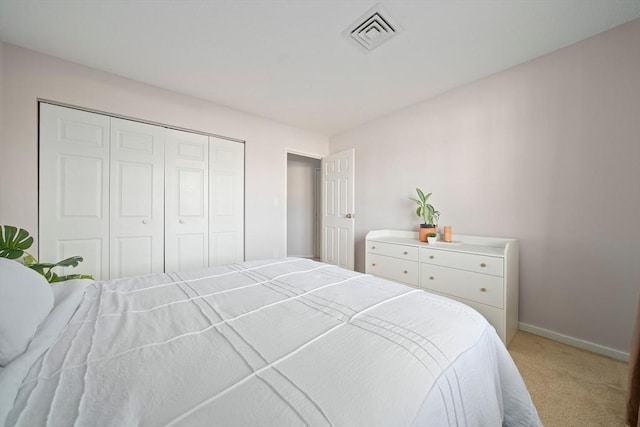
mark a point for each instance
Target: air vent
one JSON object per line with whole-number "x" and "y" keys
{"x": 372, "y": 29}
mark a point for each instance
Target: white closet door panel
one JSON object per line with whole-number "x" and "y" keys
{"x": 137, "y": 198}
{"x": 186, "y": 201}
{"x": 74, "y": 188}
{"x": 191, "y": 251}
{"x": 132, "y": 256}
{"x": 226, "y": 201}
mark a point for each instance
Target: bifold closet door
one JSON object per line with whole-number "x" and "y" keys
{"x": 133, "y": 198}
{"x": 226, "y": 201}
{"x": 74, "y": 189}
{"x": 136, "y": 199}
{"x": 186, "y": 201}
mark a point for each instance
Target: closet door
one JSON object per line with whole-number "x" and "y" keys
{"x": 226, "y": 201}
{"x": 137, "y": 198}
{"x": 186, "y": 201}
{"x": 74, "y": 189}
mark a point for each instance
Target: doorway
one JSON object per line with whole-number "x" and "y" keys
{"x": 303, "y": 206}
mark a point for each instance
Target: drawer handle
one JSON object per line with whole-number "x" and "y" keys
{"x": 373, "y": 247}
{"x": 431, "y": 257}
{"x": 373, "y": 265}
{"x": 432, "y": 278}
{"x": 406, "y": 253}
{"x": 405, "y": 272}
{"x": 483, "y": 289}
{"x": 483, "y": 265}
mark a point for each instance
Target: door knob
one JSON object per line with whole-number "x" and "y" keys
{"x": 145, "y": 221}
{"x": 349, "y": 216}
{"x": 181, "y": 221}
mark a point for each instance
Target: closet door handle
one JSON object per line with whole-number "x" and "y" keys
{"x": 181, "y": 221}
{"x": 145, "y": 221}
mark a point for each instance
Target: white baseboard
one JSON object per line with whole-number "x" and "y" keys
{"x": 575, "y": 342}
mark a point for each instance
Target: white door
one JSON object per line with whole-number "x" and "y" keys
{"x": 137, "y": 199}
{"x": 186, "y": 201}
{"x": 226, "y": 201}
{"x": 74, "y": 189}
{"x": 338, "y": 226}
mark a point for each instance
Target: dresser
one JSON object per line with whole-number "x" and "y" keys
{"x": 481, "y": 272}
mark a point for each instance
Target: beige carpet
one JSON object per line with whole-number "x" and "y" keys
{"x": 569, "y": 386}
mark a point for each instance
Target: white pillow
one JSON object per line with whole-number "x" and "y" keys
{"x": 25, "y": 301}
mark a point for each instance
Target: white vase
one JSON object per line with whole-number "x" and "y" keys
{"x": 432, "y": 240}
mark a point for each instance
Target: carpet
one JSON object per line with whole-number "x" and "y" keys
{"x": 570, "y": 386}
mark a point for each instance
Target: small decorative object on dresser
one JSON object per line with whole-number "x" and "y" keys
{"x": 427, "y": 212}
{"x": 432, "y": 238}
{"x": 481, "y": 272}
{"x": 447, "y": 233}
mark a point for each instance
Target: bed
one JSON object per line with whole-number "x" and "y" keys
{"x": 283, "y": 342}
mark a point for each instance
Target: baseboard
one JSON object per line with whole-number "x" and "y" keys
{"x": 575, "y": 342}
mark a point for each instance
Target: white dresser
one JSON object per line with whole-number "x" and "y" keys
{"x": 481, "y": 272}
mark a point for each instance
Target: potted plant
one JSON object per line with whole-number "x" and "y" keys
{"x": 432, "y": 238}
{"x": 427, "y": 212}
{"x": 14, "y": 243}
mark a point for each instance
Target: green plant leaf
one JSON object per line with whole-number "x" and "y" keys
{"x": 69, "y": 262}
{"x": 420, "y": 194}
{"x": 29, "y": 259}
{"x": 74, "y": 276}
{"x": 39, "y": 268}
{"x": 52, "y": 277}
{"x": 14, "y": 241}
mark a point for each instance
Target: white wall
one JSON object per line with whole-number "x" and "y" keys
{"x": 547, "y": 152}
{"x": 301, "y": 205}
{"x": 28, "y": 76}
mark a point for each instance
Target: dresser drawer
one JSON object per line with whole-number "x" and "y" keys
{"x": 480, "y": 288}
{"x": 390, "y": 249}
{"x": 464, "y": 261}
{"x": 400, "y": 270}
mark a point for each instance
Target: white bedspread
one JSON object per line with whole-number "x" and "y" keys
{"x": 286, "y": 342}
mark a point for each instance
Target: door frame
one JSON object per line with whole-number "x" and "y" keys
{"x": 286, "y": 189}
{"x": 286, "y": 195}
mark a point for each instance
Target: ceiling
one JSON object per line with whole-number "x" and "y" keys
{"x": 287, "y": 59}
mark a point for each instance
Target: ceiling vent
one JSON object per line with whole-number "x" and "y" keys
{"x": 372, "y": 29}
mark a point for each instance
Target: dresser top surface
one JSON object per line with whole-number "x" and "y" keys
{"x": 461, "y": 243}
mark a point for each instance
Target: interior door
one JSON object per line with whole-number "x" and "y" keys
{"x": 74, "y": 189}
{"x": 137, "y": 199}
{"x": 338, "y": 222}
{"x": 186, "y": 201}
